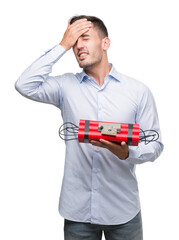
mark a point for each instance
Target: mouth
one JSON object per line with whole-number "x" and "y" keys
{"x": 82, "y": 55}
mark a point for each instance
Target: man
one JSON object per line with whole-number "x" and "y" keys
{"x": 99, "y": 191}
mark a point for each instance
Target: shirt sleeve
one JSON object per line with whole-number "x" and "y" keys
{"x": 35, "y": 82}
{"x": 147, "y": 117}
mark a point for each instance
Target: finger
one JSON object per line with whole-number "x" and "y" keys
{"x": 97, "y": 143}
{"x": 81, "y": 25}
{"x": 79, "y": 21}
{"x": 105, "y": 142}
{"x": 78, "y": 25}
{"x": 93, "y": 142}
{"x": 82, "y": 29}
{"x": 79, "y": 32}
{"x": 124, "y": 145}
{"x": 109, "y": 144}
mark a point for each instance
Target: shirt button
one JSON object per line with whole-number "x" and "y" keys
{"x": 97, "y": 150}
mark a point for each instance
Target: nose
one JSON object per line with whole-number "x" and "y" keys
{"x": 80, "y": 43}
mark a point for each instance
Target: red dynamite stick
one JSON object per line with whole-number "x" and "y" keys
{"x": 110, "y": 131}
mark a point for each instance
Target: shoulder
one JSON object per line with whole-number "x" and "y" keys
{"x": 133, "y": 83}
{"x": 65, "y": 78}
{"x": 69, "y": 82}
{"x": 135, "y": 89}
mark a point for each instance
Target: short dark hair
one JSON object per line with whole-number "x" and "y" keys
{"x": 98, "y": 23}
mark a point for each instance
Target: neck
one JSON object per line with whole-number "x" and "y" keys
{"x": 98, "y": 71}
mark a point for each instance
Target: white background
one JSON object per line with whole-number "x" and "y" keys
{"x": 144, "y": 45}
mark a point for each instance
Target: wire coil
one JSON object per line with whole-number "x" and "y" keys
{"x": 68, "y": 131}
{"x": 148, "y": 138}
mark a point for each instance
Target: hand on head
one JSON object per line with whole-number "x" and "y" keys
{"x": 74, "y": 31}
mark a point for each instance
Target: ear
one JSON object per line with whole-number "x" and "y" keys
{"x": 106, "y": 43}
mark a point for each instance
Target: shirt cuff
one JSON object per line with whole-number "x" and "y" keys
{"x": 56, "y": 52}
{"x": 133, "y": 155}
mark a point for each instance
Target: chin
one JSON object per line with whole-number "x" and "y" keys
{"x": 83, "y": 65}
{"x": 86, "y": 64}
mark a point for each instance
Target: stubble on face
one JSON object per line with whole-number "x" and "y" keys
{"x": 92, "y": 59}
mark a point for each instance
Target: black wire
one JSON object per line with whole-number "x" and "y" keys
{"x": 69, "y": 129}
{"x": 69, "y": 123}
{"x": 154, "y": 136}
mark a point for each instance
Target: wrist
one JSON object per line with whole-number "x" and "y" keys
{"x": 124, "y": 155}
{"x": 65, "y": 46}
{"x": 127, "y": 155}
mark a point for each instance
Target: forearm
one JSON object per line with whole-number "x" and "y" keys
{"x": 35, "y": 82}
{"x": 145, "y": 153}
{"x": 28, "y": 84}
{"x": 147, "y": 117}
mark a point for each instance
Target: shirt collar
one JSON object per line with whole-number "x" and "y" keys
{"x": 113, "y": 73}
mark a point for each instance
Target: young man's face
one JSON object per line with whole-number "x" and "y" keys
{"x": 88, "y": 49}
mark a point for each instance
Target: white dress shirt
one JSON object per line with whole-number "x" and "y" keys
{"x": 98, "y": 187}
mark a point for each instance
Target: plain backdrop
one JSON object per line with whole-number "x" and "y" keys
{"x": 144, "y": 45}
